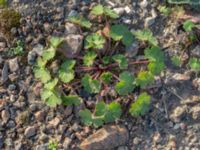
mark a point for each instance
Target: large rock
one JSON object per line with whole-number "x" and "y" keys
{"x": 71, "y": 45}
{"x": 108, "y": 137}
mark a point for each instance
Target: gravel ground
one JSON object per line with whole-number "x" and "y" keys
{"x": 27, "y": 123}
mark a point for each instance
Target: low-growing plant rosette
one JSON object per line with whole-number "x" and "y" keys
{"x": 101, "y": 66}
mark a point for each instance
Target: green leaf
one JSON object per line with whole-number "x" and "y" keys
{"x": 79, "y": 20}
{"x": 97, "y": 10}
{"x": 110, "y": 13}
{"x": 55, "y": 42}
{"x": 147, "y": 36}
{"x": 156, "y": 67}
{"x": 95, "y": 41}
{"x": 51, "y": 98}
{"x": 141, "y": 105}
{"x": 42, "y": 74}
{"x": 194, "y": 63}
{"x": 86, "y": 116}
{"x": 90, "y": 85}
{"x": 126, "y": 83}
{"x": 164, "y": 10}
{"x": 113, "y": 112}
{"x": 101, "y": 10}
{"x": 103, "y": 114}
{"x": 176, "y": 61}
{"x": 51, "y": 84}
{"x": 97, "y": 122}
{"x": 68, "y": 64}
{"x": 157, "y": 58}
{"x": 144, "y": 78}
{"x": 66, "y": 75}
{"x": 121, "y": 32}
{"x": 89, "y": 58}
{"x": 106, "y": 77}
{"x": 121, "y": 60}
{"x": 100, "y": 108}
{"x": 106, "y": 60}
{"x": 188, "y": 25}
{"x": 40, "y": 62}
{"x": 66, "y": 72}
{"x": 49, "y": 54}
{"x": 71, "y": 100}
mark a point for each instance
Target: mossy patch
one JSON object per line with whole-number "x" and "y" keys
{"x": 9, "y": 18}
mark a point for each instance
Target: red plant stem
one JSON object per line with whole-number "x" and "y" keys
{"x": 79, "y": 69}
{"x": 130, "y": 63}
{"x": 116, "y": 77}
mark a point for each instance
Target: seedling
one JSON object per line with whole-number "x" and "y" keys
{"x": 99, "y": 67}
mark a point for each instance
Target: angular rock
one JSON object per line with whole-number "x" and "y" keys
{"x": 108, "y": 137}
{"x": 55, "y": 122}
{"x": 13, "y": 64}
{"x": 38, "y": 48}
{"x": 30, "y": 131}
{"x": 4, "y": 73}
{"x": 119, "y": 10}
{"x": 40, "y": 116}
{"x": 196, "y": 51}
{"x": 71, "y": 45}
{"x": 5, "y": 115}
{"x": 70, "y": 28}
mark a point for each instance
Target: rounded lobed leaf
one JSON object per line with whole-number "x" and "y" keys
{"x": 141, "y": 105}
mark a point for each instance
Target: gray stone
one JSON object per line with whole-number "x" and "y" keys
{"x": 38, "y": 48}
{"x": 71, "y": 45}
{"x": 119, "y": 10}
{"x": 5, "y": 115}
{"x": 196, "y": 51}
{"x": 108, "y": 137}
{"x": 70, "y": 28}
{"x": 149, "y": 21}
{"x": 30, "y": 131}
{"x": 132, "y": 50}
{"x": 4, "y": 73}
{"x": 13, "y": 64}
{"x": 32, "y": 55}
{"x": 1, "y": 143}
{"x": 144, "y": 3}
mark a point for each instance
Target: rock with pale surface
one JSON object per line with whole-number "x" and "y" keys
{"x": 30, "y": 131}
{"x": 108, "y": 137}
{"x": 71, "y": 46}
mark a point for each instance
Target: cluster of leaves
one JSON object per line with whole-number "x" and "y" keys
{"x": 104, "y": 113}
{"x": 17, "y": 50}
{"x": 101, "y": 66}
{"x": 166, "y": 11}
{"x": 194, "y": 63}
{"x": 51, "y": 94}
{"x": 53, "y": 145}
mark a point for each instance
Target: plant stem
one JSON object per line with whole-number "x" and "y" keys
{"x": 130, "y": 63}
